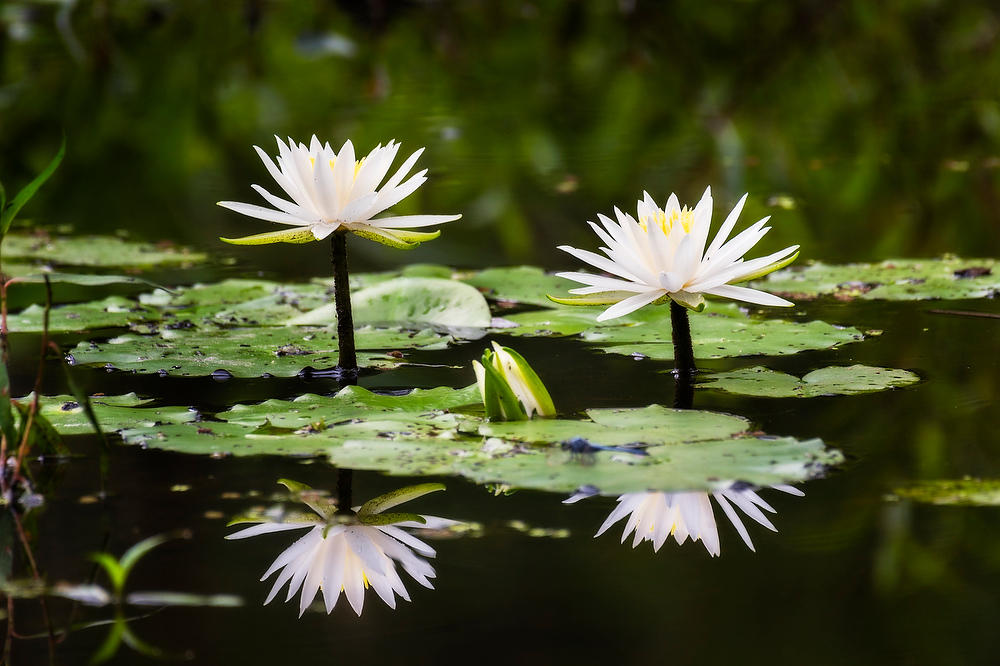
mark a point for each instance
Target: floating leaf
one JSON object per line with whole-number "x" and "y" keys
{"x": 519, "y": 284}
{"x": 422, "y": 434}
{"x": 411, "y": 300}
{"x": 247, "y": 352}
{"x": 110, "y": 312}
{"x": 78, "y": 279}
{"x": 69, "y": 417}
{"x": 834, "y": 380}
{"x": 718, "y": 335}
{"x": 894, "y": 279}
{"x": 104, "y": 251}
{"x": 961, "y": 492}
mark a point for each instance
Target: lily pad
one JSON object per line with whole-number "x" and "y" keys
{"x": 411, "y": 300}
{"x": 834, "y": 380}
{"x": 247, "y": 352}
{"x": 110, "y": 312}
{"x": 956, "y": 492}
{"x": 441, "y": 432}
{"x": 894, "y": 279}
{"x": 104, "y": 251}
{"x": 716, "y": 335}
{"x": 121, "y": 411}
{"x": 519, "y": 284}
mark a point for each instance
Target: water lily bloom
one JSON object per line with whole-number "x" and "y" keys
{"x": 332, "y": 190}
{"x": 654, "y": 516}
{"x": 510, "y": 388}
{"x": 661, "y": 255}
{"x": 346, "y": 558}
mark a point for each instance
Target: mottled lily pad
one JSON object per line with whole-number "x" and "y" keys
{"x": 518, "y": 284}
{"x": 248, "y": 352}
{"x": 894, "y": 279}
{"x": 411, "y": 300}
{"x": 119, "y": 411}
{"x": 720, "y": 334}
{"x": 958, "y": 492}
{"x": 834, "y": 380}
{"x": 110, "y": 312}
{"x": 442, "y": 432}
{"x": 103, "y": 251}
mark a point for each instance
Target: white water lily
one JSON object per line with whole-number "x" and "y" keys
{"x": 509, "y": 387}
{"x": 332, "y": 190}
{"x": 662, "y": 255}
{"x": 654, "y": 516}
{"x": 348, "y": 558}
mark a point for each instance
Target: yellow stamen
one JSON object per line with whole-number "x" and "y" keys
{"x": 685, "y": 215}
{"x": 357, "y": 165}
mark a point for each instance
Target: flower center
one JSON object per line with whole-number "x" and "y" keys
{"x": 685, "y": 216}
{"x": 357, "y": 165}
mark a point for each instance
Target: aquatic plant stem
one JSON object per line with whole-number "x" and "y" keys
{"x": 680, "y": 331}
{"x": 348, "y": 362}
{"x": 344, "y": 479}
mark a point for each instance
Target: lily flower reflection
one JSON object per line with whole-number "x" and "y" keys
{"x": 655, "y": 516}
{"x": 350, "y": 553}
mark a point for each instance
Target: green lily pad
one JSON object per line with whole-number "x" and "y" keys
{"x": 121, "y": 411}
{"x": 104, "y": 251}
{"x": 834, "y": 380}
{"x": 614, "y": 427}
{"x": 519, "y": 284}
{"x": 110, "y": 312}
{"x": 894, "y": 279}
{"x": 442, "y": 432}
{"x": 962, "y": 492}
{"x": 720, "y": 334}
{"x": 411, "y": 300}
{"x": 247, "y": 352}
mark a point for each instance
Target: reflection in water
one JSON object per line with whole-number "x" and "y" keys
{"x": 346, "y": 558}
{"x": 654, "y": 516}
{"x": 351, "y": 550}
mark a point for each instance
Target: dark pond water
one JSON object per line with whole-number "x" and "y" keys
{"x": 867, "y": 132}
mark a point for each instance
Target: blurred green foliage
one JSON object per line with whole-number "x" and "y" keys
{"x": 866, "y": 129}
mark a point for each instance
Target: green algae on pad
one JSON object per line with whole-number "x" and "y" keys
{"x": 957, "y": 492}
{"x": 441, "y": 432}
{"x": 248, "y": 352}
{"x": 97, "y": 251}
{"x": 834, "y": 380}
{"x": 894, "y": 279}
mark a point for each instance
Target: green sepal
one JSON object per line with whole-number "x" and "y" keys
{"x": 500, "y": 402}
{"x": 696, "y": 305}
{"x": 602, "y": 298}
{"x": 294, "y": 486}
{"x": 296, "y": 235}
{"x": 770, "y": 268}
{"x": 396, "y": 497}
{"x": 314, "y": 499}
{"x": 9, "y": 211}
{"x": 545, "y": 405}
{"x": 395, "y": 238}
{"x": 391, "y": 518}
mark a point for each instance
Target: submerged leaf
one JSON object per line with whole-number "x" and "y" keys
{"x": 103, "y": 251}
{"x": 957, "y": 492}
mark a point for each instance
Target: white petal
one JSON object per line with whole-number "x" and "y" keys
{"x": 726, "y": 228}
{"x": 748, "y": 295}
{"x": 262, "y": 213}
{"x": 630, "y": 304}
{"x": 411, "y": 221}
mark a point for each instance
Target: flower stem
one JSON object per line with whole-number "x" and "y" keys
{"x": 344, "y": 478}
{"x": 348, "y": 362}
{"x": 680, "y": 330}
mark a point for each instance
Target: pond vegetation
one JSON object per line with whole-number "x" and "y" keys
{"x": 183, "y": 404}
